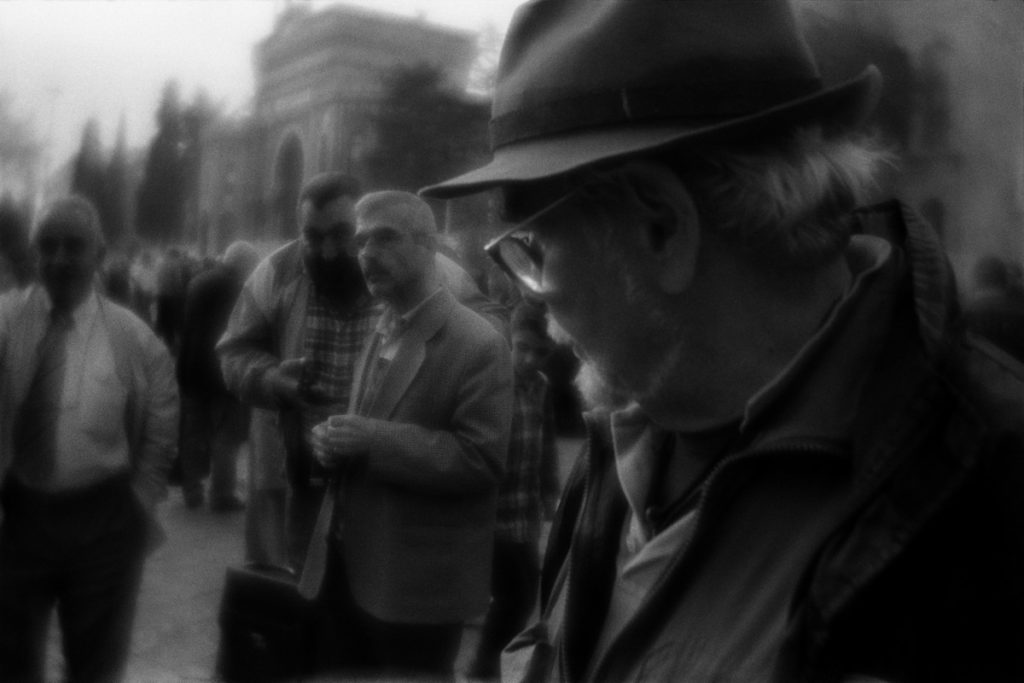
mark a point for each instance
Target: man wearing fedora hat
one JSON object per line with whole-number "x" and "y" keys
{"x": 814, "y": 475}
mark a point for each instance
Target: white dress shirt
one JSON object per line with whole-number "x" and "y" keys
{"x": 92, "y": 443}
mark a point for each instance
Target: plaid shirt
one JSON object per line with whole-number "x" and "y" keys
{"x": 333, "y": 342}
{"x": 531, "y": 471}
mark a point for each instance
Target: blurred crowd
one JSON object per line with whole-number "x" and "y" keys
{"x": 803, "y": 451}
{"x": 186, "y": 302}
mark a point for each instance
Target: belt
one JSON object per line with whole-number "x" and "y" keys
{"x": 18, "y": 495}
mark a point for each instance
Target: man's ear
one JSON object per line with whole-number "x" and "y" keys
{"x": 670, "y": 230}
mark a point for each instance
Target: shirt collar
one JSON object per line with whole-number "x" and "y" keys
{"x": 635, "y": 441}
{"x": 392, "y": 324}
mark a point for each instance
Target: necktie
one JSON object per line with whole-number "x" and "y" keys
{"x": 35, "y": 431}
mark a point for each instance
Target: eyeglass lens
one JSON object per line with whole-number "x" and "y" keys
{"x": 521, "y": 262}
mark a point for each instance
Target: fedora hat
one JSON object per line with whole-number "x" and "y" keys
{"x": 585, "y": 81}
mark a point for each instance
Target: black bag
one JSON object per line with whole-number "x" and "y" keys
{"x": 268, "y": 632}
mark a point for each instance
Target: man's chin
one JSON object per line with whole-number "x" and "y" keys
{"x": 558, "y": 333}
{"x": 596, "y": 390}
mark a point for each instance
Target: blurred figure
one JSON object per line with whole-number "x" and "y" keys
{"x": 88, "y": 428}
{"x": 290, "y": 349}
{"x": 8, "y": 276}
{"x": 17, "y": 267}
{"x": 818, "y": 476}
{"x": 529, "y": 491}
{"x": 501, "y": 289}
{"x": 996, "y": 308}
{"x": 215, "y": 424}
{"x": 419, "y": 451}
{"x": 117, "y": 280}
{"x": 143, "y": 275}
{"x": 172, "y": 276}
{"x": 463, "y": 287}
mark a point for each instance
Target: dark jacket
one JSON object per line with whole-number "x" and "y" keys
{"x": 922, "y": 581}
{"x": 208, "y": 304}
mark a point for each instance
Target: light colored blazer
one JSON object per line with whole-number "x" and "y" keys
{"x": 143, "y": 364}
{"x": 418, "y": 516}
{"x": 268, "y": 325}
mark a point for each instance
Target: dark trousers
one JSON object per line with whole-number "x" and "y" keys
{"x": 515, "y": 578}
{"x": 83, "y": 553}
{"x": 373, "y": 648}
{"x": 213, "y": 429}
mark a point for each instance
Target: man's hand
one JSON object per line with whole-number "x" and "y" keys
{"x": 285, "y": 382}
{"x": 341, "y": 438}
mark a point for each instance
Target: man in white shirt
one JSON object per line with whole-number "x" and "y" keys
{"x": 87, "y": 435}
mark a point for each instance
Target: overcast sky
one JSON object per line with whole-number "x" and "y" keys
{"x": 66, "y": 60}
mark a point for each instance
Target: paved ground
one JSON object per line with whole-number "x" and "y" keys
{"x": 176, "y": 626}
{"x": 176, "y": 632}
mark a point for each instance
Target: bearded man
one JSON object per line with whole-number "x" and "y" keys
{"x": 816, "y": 474}
{"x": 289, "y": 350}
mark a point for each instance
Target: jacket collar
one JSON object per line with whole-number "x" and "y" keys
{"x": 909, "y": 399}
{"x": 422, "y": 325}
{"x": 918, "y": 437}
{"x": 933, "y": 285}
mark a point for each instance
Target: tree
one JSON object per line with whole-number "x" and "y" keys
{"x": 88, "y": 171}
{"x": 424, "y": 130}
{"x": 116, "y": 197}
{"x": 160, "y": 204}
{"x": 194, "y": 119}
{"x": 167, "y": 201}
{"x": 484, "y": 71}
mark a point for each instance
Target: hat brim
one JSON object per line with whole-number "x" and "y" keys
{"x": 846, "y": 104}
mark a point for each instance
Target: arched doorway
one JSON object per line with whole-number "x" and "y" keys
{"x": 287, "y": 183}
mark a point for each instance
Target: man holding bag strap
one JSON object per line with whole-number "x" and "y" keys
{"x": 423, "y": 454}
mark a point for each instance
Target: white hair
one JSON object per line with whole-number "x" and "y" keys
{"x": 404, "y": 210}
{"x": 787, "y": 199}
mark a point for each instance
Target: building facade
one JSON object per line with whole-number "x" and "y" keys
{"x": 320, "y": 77}
{"x": 952, "y": 104}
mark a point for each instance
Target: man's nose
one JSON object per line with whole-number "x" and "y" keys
{"x": 366, "y": 249}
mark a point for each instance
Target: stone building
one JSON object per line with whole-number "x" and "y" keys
{"x": 320, "y": 76}
{"x": 953, "y": 104}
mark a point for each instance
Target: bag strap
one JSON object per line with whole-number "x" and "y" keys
{"x": 315, "y": 566}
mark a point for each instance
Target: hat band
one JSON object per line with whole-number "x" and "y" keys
{"x": 697, "y": 102}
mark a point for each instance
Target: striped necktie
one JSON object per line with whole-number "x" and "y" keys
{"x": 35, "y": 430}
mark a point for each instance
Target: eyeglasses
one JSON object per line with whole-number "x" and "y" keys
{"x": 517, "y": 254}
